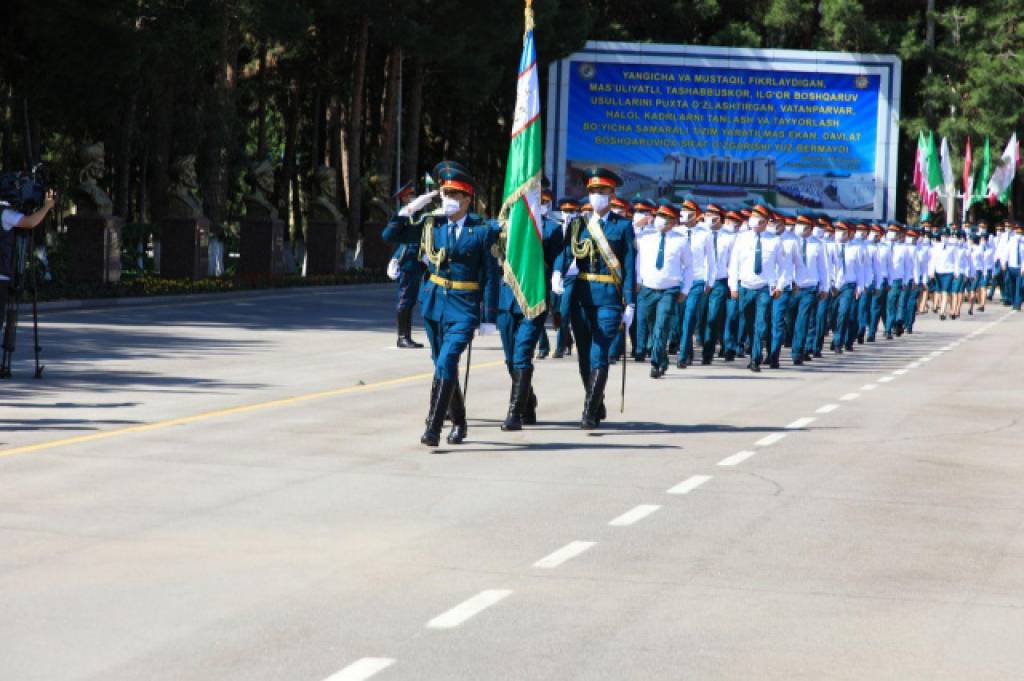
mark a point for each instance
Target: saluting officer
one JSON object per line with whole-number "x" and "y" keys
{"x": 460, "y": 291}
{"x": 600, "y": 254}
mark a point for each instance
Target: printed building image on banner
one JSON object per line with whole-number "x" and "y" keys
{"x": 800, "y": 130}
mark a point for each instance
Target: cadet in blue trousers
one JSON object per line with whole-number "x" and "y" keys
{"x": 599, "y": 253}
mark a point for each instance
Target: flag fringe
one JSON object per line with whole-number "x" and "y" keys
{"x": 530, "y": 312}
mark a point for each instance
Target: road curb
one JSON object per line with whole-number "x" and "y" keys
{"x": 156, "y": 301}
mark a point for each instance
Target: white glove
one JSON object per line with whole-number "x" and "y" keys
{"x": 557, "y": 287}
{"x": 627, "y": 316}
{"x": 487, "y": 329}
{"x": 417, "y": 204}
{"x": 393, "y": 269}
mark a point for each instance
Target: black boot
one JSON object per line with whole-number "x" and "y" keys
{"x": 433, "y": 396}
{"x": 530, "y": 411}
{"x": 438, "y": 406}
{"x": 405, "y": 330}
{"x": 595, "y": 399}
{"x": 457, "y": 413}
{"x": 517, "y": 400}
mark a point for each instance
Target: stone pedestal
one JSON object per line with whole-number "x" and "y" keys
{"x": 324, "y": 247}
{"x": 261, "y": 248}
{"x": 184, "y": 247}
{"x": 95, "y": 247}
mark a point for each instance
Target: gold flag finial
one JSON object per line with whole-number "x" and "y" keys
{"x": 529, "y": 15}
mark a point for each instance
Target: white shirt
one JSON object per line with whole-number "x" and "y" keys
{"x": 850, "y": 265}
{"x": 789, "y": 258}
{"x": 10, "y": 219}
{"x": 723, "y": 241}
{"x": 813, "y": 273}
{"x": 676, "y": 271}
{"x": 943, "y": 259}
{"x": 902, "y": 264}
{"x": 702, "y": 250}
{"x": 922, "y": 256}
{"x": 869, "y": 260}
{"x": 741, "y": 265}
{"x": 990, "y": 255}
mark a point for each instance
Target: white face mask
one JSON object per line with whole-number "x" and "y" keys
{"x": 818, "y": 232}
{"x": 861, "y": 235}
{"x": 754, "y": 223}
{"x": 450, "y": 205}
{"x": 891, "y": 236}
{"x": 545, "y": 208}
{"x": 729, "y": 226}
{"x": 637, "y": 217}
{"x": 686, "y": 217}
{"x": 660, "y": 222}
{"x": 790, "y": 228}
{"x": 599, "y": 202}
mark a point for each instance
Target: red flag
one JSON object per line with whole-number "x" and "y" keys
{"x": 967, "y": 168}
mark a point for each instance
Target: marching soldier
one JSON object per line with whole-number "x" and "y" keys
{"x": 812, "y": 285}
{"x": 664, "y": 271}
{"x": 643, "y": 221}
{"x": 754, "y": 279}
{"x": 699, "y": 240}
{"x": 569, "y": 209}
{"x": 405, "y": 267}
{"x": 600, "y": 254}
{"x": 720, "y": 326}
{"x": 460, "y": 292}
{"x": 851, "y": 282}
{"x": 519, "y": 335}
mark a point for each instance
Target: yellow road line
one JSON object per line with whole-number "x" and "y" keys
{"x": 219, "y": 413}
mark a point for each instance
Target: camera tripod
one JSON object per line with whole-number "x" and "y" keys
{"x": 23, "y": 278}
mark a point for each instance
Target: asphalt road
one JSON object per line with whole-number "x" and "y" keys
{"x": 235, "y": 490}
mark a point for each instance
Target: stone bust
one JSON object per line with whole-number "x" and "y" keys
{"x": 261, "y": 187}
{"x": 89, "y": 197}
{"x": 325, "y": 192}
{"x": 182, "y": 201}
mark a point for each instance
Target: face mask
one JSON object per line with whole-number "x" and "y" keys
{"x": 450, "y": 205}
{"x": 545, "y": 208}
{"x": 891, "y": 236}
{"x": 729, "y": 227}
{"x": 861, "y": 235}
{"x": 599, "y": 202}
{"x": 686, "y": 217}
{"x": 875, "y": 238}
{"x": 755, "y": 223}
{"x": 817, "y": 232}
{"x": 637, "y": 217}
{"x": 789, "y": 228}
{"x": 660, "y": 222}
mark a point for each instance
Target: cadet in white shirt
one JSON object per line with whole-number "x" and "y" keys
{"x": 850, "y": 281}
{"x": 811, "y": 285}
{"x": 860, "y": 238}
{"x": 704, "y": 274}
{"x": 789, "y": 257}
{"x": 754, "y": 279}
{"x": 721, "y": 315}
{"x": 664, "y": 268}
{"x": 944, "y": 266}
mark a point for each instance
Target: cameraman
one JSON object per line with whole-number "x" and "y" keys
{"x": 12, "y": 220}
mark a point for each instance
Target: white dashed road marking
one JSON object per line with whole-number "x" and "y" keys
{"x": 467, "y": 609}
{"x": 827, "y": 409}
{"x": 769, "y": 440}
{"x": 849, "y": 396}
{"x": 634, "y": 515}
{"x": 564, "y": 554}
{"x": 801, "y": 423}
{"x": 690, "y": 484}
{"x": 360, "y": 670}
{"x": 737, "y": 458}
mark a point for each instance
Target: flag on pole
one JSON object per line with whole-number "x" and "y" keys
{"x": 520, "y": 217}
{"x": 979, "y": 187}
{"x": 933, "y": 174}
{"x": 948, "y": 193}
{"x": 920, "y": 172}
{"x": 1002, "y": 178}
{"x": 968, "y": 180}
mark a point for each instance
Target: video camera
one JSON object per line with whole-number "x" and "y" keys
{"x": 24, "y": 191}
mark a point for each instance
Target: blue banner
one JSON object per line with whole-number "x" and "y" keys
{"x": 775, "y": 126}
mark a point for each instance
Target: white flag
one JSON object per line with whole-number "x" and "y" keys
{"x": 1002, "y": 177}
{"x": 948, "y": 183}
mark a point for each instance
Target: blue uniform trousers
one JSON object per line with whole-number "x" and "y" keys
{"x": 646, "y": 304}
{"x": 910, "y": 308}
{"x": 691, "y": 319}
{"x": 657, "y": 313}
{"x": 894, "y": 314}
{"x": 821, "y": 323}
{"x": 1012, "y": 280}
{"x": 754, "y": 305}
{"x": 595, "y": 328}
{"x": 448, "y": 340}
{"x": 780, "y": 309}
{"x": 845, "y": 316}
{"x": 864, "y": 309}
{"x": 804, "y": 302}
{"x": 408, "y": 288}
{"x": 878, "y": 303}
{"x": 564, "y": 337}
{"x": 716, "y": 330}
{"x": 519, "y": 337}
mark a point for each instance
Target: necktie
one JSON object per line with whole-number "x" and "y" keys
{"x": 716, "y": 243}
{"x": 803, "y": 251}
{"x": 689, "y": 236}
{"x": 451, "y": 235}
{"x": 660, "y": 262}
{"x": 757, "y": 256}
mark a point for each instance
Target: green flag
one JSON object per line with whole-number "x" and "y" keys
{"x": 520, "y": 217}
{"x": 981, "y": 176}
